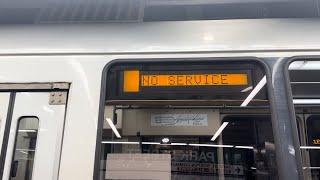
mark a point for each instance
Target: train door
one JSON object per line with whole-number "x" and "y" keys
{"x": 34, "y": 139}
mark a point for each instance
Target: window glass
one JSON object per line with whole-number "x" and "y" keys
{"x": 313, "y": 136}
{"x": 25, "y": 148}
{"x": 305, "y": 86}
{"x": 187, "y": 132}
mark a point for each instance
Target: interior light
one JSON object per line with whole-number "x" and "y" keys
{"x": 27, "y": 130}
{"x": 254, "y": 92}
{"x": 246, "y": 89}
{"x": 118, "y": 142}
{"x": 178, "y": 144}
{"x": 244, "y": 147}
{"x": 311, "y": 167}
{"x": 212, "y": 145}
{"x": 165, "y": 140}
{"x": 150, "y": 143}
{"x": 113, "y": 127}
{"x": 309, "y": 147}
{"x": 306, "y": 101}
{"x": 24, "y": 152}
{"x": 214, "y": 137}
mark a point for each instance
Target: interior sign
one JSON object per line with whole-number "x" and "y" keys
{"x": 179, "y": 120}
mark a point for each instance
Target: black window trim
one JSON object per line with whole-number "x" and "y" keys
{"x": 6, "y": 133}
{"x": 291, "y": 108}
{"x": 261, "y": 61}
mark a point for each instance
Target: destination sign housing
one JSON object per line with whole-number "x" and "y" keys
{"x": 134, "y": 80}
{"x": 176, "y": 82}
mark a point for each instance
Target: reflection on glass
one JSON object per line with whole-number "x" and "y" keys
{"x": 25, "y": 148}
{"x": 305, "y": 85}
{"x": 170, "y": 149}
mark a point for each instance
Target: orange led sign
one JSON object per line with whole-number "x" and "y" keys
{"x": 134, "y": 80}
{"x": 194, "y": 80}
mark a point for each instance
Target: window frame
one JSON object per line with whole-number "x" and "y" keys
{"x": 260, "y": 61}
{"x": 289, "y": 96}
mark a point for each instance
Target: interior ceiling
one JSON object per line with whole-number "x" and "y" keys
{"x": 93, "y": 11}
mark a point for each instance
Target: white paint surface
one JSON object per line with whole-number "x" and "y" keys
{"x": 174, "y": 36}
{"x": 4, "y": 103}
{"x": 51, "y": 118}
{"x": 20, "y": 64}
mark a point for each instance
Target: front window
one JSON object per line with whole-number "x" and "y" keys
{"x": 190, "y": 120}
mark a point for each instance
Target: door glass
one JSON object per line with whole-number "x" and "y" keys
{"x": 203, "y": 122}
{"x": 305, "y": 85}
{"x": 25, "y": 147}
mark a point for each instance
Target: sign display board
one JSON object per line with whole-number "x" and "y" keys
{"x": 174, "y": 81}
{"x": 179, "y": 120}
{"x": 134, "y": 79}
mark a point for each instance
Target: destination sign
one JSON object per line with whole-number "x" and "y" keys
{"x": 196, "y": 82}
{"x": 134, "y": 80}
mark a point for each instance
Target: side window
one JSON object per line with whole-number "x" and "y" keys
{"x": 186, "y": 121}
{"x": 25, "y": 147}
{"x": 313, "y": 136}
{"x": 305, "y": 86}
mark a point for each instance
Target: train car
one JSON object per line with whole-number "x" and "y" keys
{"x": 211, "y": 99}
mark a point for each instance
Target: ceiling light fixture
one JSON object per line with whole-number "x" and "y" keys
{"x": 254, "y": 92}
{"x": 118, "y": 142}
{"x": 306, "y": 101}
{"x": 244, "y": 147}
{"x": 223, "y": 125}
{"x": 212, "y": 145}
{"x": 113, "y": 127}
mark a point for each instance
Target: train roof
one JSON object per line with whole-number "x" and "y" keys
{"x": 162, "y": 37}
